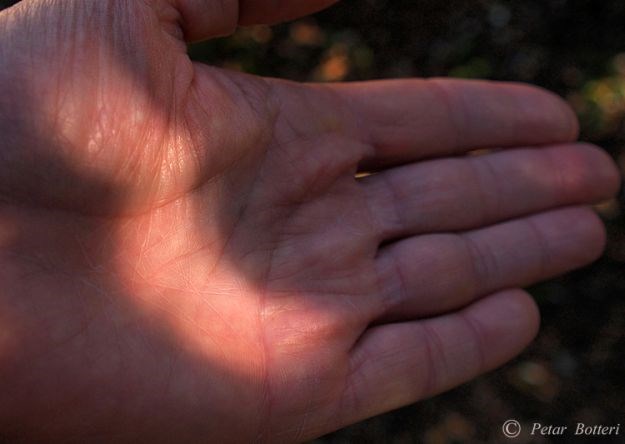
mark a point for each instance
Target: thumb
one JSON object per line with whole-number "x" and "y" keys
{"x": 202, "y": 19}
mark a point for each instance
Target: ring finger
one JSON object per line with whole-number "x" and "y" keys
{"x": 432, "y": 274}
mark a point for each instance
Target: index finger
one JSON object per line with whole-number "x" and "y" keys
{"x": 407, "y": 120}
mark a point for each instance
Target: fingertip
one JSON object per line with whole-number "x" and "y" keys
{"x": 572, "y": 237}
{"x": 592, "y": 232}
{"x": 524, "y": 308}
{"x": 584, "y": 173}
{"x": 548, "y": 118}
{"x": 597, "y": 233}
{"x": 572, "y": 126}
{"x": 557, "y": 114}
{"x": 573, "y": 120}
{"x": 608, "y": 175}
{"x": 589, "y": 232}
{"x": 511, "y": 321}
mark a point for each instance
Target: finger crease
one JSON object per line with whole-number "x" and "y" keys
{"x": 482, "y": 263}
{"x": 396, "y": 222}
{"x": 543, "y": 248}
{"x": 433, "y": 347}
{"x": 458, "y": 129}
{"x": 476, "y": 330}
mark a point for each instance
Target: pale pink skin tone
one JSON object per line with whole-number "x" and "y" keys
{"x": 187, "y": 256}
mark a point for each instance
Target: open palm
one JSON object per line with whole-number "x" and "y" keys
{"x": 190, "y": 254}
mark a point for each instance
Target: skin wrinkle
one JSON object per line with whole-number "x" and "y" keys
{"x": 483, "y": 264}
{"x": 399, "y": 225}
{"x": 262, "y": 104}
{"x": 557, "y": 174}
{"x": 303, "y": 422}
{"x": 364, "y": 131}
{"x": 259, "y": 140}
{"x": 455, "y": 116}
{"x": 543, "y": 248}
{"x": 142, "y": 248}
{"x": 337, "y": 170}
{"x": 402, "y": 295}
{"x": 376, "y": 205}
{"x": 168, "y": 13}
{"x": 349, "y": 399}
{"x": 215, "y": 341}
{"x": 383, "y": 302}
{"x": 478, "y": 339}
{"x": 70, "y": 337}
{"x": 490, "y": 203}
{"x": 265, "y": 421}
{"x": 74, "y": 17}
{"x": 356, "y": 364}
{"x": 177, "y": 131}
{"x": 432, "y": 344}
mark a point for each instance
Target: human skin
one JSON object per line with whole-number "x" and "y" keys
{"x": 186, "y": 254}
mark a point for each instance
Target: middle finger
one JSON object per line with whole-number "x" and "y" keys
{"x": 470, "y": 192}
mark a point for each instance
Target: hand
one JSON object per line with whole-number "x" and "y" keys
{"x": 187, "y": 256}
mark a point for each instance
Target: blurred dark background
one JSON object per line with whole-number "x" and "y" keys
{"x": 575, "y": 369}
